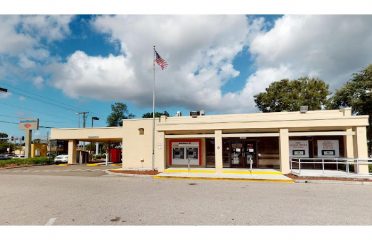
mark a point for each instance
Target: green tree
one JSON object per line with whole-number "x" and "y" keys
{"x": 119, "y": 111}
{"x": 3, "y": 137}
{"x": 357, "y": 94}
{"x": 290, "y": 95}
{"x": 4, "y": 144}
{"x": 157, "y": 114}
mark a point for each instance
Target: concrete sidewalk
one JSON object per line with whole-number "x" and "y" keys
{"x": 328, "y": 173}
{"x": 262, "y": 175}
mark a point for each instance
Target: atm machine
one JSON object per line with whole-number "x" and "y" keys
{"x": 241, "y": 153}
{"x": 250, "y": 153}
{"x": 236, "y": 154}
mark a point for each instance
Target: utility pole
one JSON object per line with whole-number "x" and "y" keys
{"x": 85, "y": 115}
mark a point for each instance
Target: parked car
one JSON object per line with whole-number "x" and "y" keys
{"x": 61, "y": 159}
{"x": 18, "y": 156}
{"x": 4, "y": 157}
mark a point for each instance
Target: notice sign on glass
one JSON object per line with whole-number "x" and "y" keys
{"x": 298, "y": 148}
{"x": 328, "y": 148}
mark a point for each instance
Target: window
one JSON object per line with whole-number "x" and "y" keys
{"x": 141, "y": 131}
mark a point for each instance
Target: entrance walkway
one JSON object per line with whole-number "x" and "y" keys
{"x": 265, "y": 175}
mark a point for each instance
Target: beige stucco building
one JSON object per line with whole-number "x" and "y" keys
{"x": 265, "y": 140}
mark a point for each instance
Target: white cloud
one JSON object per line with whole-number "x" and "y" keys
{"x": 11, "y": 41}
{"x": 38, "y": 82}
{"x": 22, "y": 34}
{"x": 200, "y": 51}
{"x": 5, "y": 95}
{"x": 97, "y": 77}
{"x": 24, "y": 43}
{"x": 43, "y": 26}
{"x": 256, "y": 83}
{"x": 331, "y": 47}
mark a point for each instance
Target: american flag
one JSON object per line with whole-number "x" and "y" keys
{"x": 161, "y": 62}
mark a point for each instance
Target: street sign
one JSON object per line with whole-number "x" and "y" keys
{"x": 29, "y": 124}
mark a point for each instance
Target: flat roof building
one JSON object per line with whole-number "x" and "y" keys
{"x": 263, "y": 140}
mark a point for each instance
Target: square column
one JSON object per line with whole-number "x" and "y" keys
{"x": 123, "y": 149}
{"x": 349, "y": 143}
{"x": 284, "y": 150}
{"x": 218, "y": 150}
{"x": 160, "y": 151}
{"x": 71, "y": 151}
{"x": 362, "y": 147}
{"x": 28, "y": 136}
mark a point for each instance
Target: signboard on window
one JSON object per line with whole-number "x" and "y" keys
{"x": 328, "y": 148}
{"x": 182, "y": 152}
{"x": 298, "y": 148}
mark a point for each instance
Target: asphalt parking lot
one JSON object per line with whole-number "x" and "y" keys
{"x": 61, "y": 170}
{"x": 88, "y": 197}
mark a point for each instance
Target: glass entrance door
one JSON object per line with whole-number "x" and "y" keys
{"x": 238, "y": 152}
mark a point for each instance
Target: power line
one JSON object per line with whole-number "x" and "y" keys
{"x": 42, "y": 98}
{"x": 43, "y": 101}
{"x": 85, "y": 115}
{"x": 13, "y": 116}
{"x": 53, "y": 101}
{"x": 18, "y": 123}
{"x": 11, "y": 106}
{"x": 8, "y": 122}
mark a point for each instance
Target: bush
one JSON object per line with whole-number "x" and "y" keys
{"x": 99, "y": 156}
{"x": 26, "y": 161}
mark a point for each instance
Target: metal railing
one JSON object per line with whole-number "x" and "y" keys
{"x": 347, "y": 162}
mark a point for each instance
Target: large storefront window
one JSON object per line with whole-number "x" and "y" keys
{"x": 316, "y": 147}
{"x": 328, "y": 148}
{"x": 299, "y": 148}
{"x": 184, "y": 152}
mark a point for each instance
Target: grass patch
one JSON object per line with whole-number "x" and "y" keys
{"x": 25, "y": 161}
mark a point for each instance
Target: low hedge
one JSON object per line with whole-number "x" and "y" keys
{"x": 26, "y": 161}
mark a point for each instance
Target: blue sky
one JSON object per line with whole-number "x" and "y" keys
{"x": 216, "y": 63}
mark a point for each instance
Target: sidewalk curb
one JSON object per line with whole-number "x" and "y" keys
{"x": 333, "y": 182}
{"x": 224, "y": 179}
{"x": 36, "y": 165}
{"x": 126, "y": 174}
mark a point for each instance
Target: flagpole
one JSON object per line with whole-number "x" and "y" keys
{"x": 153, "y": 114}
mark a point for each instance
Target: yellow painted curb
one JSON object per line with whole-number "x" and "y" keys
{"x": 62, "y": 165}
{"x": 225, "y": 179}
{"x": 253, "y": 172}
{"x": 191, "y": 170}
{"x": 116, "y": 164}
{"x": 223, "y": 171}
{"x": 92, "y": 164}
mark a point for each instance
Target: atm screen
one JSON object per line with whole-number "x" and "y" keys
{"x": 178, "y": 153}
{"x": 192, "y": 153}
